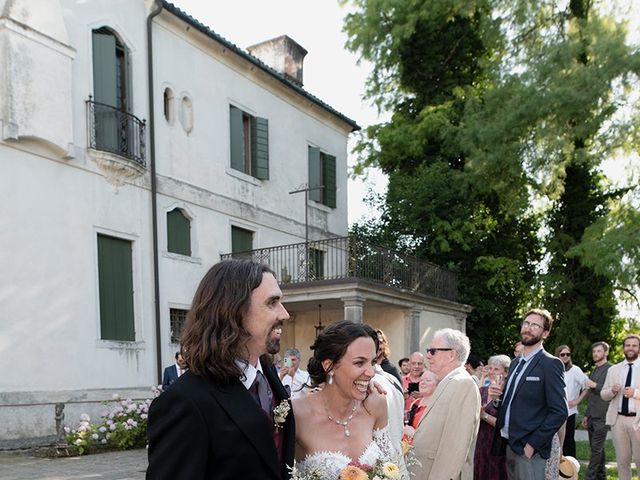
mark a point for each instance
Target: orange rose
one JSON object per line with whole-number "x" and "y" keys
{"x": 351, "y": 472}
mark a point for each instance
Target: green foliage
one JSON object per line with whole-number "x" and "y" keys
{"x": 122, "y": 426}
{"x": 503, "y": 113}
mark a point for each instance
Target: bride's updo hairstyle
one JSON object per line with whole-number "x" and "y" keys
{"x": 332, "y": 344}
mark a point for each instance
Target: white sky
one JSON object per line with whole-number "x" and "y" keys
{"x": 330, "y": 71}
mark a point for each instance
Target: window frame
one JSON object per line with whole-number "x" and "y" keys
{"x": 249, "y": 143}
{"x": 100, "y": 285}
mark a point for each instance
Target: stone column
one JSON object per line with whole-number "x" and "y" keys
{"x": 413, "y": 327}
{"x": 354, "y": 308}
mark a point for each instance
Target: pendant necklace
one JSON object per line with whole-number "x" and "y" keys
{"x": 344, "y": 424}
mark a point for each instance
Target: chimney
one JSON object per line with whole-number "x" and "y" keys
{"x": 283, "y": 54}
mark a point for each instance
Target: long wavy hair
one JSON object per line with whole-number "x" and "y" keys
{"x": 214, "y": 336}
{"x": 332, "y": 344}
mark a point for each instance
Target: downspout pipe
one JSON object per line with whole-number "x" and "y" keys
{"x": 154, "y": 191}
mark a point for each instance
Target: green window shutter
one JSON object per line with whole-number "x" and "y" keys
{"x": 105, "y": 69}
{"x": 260, "y": 148}
{"x": 115, "y": 281}
{"x": 241, "y": 240}
{"x": 314, "y": 174}
{"x": 105, "y": 74}
{"x": 178, "y": 233}
{"x": 329, "y": 178}
{"x": 237, "y": 139}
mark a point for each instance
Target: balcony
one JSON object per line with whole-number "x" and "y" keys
{"x": 347, "y": 258}
{"x": 117, "y": 132}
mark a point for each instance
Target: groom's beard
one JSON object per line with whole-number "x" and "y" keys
{"x": 273, "y": 346}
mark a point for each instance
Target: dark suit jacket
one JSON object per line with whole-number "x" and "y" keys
{"x": 170, "y": 376}
{"x": 199, "y": 429}
{"x": 538, "y": 406}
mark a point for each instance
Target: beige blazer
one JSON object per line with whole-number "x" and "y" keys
{"x": 445, "y": 439}
{"x": 617, "y": 374}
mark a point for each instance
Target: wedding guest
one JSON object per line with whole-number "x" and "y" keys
{"x": 292, "y": 375}
{"x": 485, "y": 465}
{"x": 228, "y": 416}
{"x": 533, "y": 405}
{"x": 384, "y": 352}
{"x": 575, "y": 381}
{"x": 445, "y": 439}
{"x": 594, "y": 416}
{"x": 621, "y": 389}
{"x": 405, "y": 368}
{"x": 172, "y": 372}
{"x": 517, "y": 350}
{"x": 411, "y": 380}
{"x": 427, "y": 385}
{"x": 473, "y": 367}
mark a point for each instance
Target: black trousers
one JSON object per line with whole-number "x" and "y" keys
{"x": 569, "y": 445}
{"x": 597, "y": 436}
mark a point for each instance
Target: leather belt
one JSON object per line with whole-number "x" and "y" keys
{"x": 630, "y": 414}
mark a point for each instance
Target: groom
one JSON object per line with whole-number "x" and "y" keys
{"x": 217, "y": 420}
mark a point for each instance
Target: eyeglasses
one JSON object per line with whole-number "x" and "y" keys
{"x": 532, "y": 326}
{"x": 565, "y": 354}
{"x": 432, "y": 351}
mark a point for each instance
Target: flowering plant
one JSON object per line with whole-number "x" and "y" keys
{"x": 381, "y": 470}
{"x": 122, "y": 425}
{"x": 280, "y": 413}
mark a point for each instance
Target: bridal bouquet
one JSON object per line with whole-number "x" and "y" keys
{"x": 381, "y": 470}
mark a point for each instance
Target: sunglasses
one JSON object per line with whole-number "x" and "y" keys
{"x": 565, "y": 354}
{"x": 432, "y": 351}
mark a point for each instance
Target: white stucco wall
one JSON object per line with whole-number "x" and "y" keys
{"x": 55, "y": 201}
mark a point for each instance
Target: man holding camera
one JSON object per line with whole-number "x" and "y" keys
{"x": 293, "y": 377}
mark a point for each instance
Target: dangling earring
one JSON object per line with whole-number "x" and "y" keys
{"x": 330, "y": 381}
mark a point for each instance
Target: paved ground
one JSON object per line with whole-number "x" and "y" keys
{"x": 128, "y": 465}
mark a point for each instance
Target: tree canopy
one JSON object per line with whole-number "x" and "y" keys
{"x": 503, "y": 113}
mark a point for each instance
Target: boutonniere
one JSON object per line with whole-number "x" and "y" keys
{"x": 280, "y": 413}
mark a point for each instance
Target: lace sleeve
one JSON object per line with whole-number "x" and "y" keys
{"x": 383, "y": 439}
{"x": 389, "y": 453}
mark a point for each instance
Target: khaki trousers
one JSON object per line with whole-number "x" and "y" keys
{"x": 626, "y": 445}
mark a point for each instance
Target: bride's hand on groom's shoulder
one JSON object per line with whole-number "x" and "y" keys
{"x": 375, "y": 386}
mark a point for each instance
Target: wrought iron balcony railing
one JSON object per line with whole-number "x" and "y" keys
{"x": 114, "y": 131}
{"x": 348, "y": 257}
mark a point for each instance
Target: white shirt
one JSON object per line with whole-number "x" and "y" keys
{"x": 395, "y": 405}
{"x": 249, "y": 372}
{"x": 574, "y": 382}
{"x": 622, "y": 380}
{"x": 300, "y": 378}
{"x": 179, "y": 370}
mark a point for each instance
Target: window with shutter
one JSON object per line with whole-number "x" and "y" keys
{"x": 249, "y": 143}
{"x": 241, "y": 240}
{"x": 178, "y": 232}
{"x": 115, "y": 284}
{"x": 322, "y": 173}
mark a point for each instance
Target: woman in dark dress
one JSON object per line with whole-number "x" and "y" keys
{"x": 485, "y": 465}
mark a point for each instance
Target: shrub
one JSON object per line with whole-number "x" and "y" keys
{"x": 123, "y": 425}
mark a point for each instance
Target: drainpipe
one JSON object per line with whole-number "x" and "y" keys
{"x": 154, "y": 191}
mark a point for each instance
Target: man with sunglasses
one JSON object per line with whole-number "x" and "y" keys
{"x": 445, "y": 438}
{"x": 533, "y": 405}
{"x": 575, "y": 381}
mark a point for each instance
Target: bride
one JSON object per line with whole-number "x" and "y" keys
{"x": 342, "y": 424}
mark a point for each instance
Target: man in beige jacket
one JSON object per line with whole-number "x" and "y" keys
{"x": 445, "y": 439}
{"x": 621, "y": 389}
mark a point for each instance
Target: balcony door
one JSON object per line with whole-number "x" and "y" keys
{"x": 110, "y": 87}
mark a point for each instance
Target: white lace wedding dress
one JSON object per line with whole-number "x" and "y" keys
{"x": 326, "y": 465}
